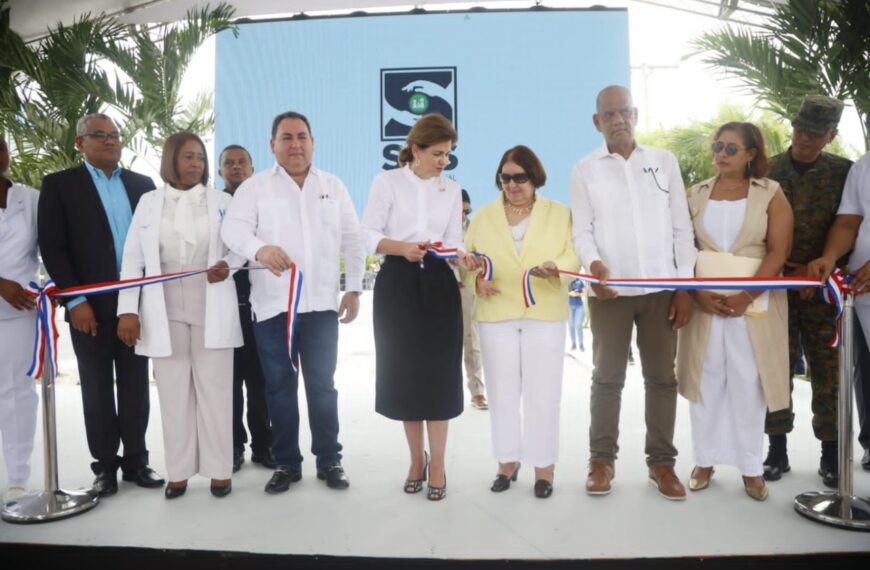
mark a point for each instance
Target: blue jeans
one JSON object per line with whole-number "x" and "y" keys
{"x": 317, "y": 348}
{"x": 576, "y": 314}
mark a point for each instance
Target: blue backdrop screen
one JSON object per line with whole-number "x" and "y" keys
{"x": 503, "y": 78}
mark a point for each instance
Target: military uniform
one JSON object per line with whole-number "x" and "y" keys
{"x": 814, "y": 197}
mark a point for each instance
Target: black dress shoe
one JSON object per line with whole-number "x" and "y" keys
{"x": 281, "y": 479}
{"x": 106, "y": 483}
{"x": 543, "y": 488}
{"x": 334, "y": 476}
{"x": 503, "y": 482}
{"x": 222, "y": 490}
{"x": 828, "y": 465}
{"x": 145, "y": 477}
{"x": 266, "y": 460}
{"x": 238, "y": 460}
{"x": 174, "y": 492}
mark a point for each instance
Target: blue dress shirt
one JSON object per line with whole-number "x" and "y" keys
{"x": 116, "y": 203}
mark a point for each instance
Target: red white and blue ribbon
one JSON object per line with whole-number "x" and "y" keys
{"x": 834, "y": 293}
{"x": 486, "y": 269}
{"x": 45, "y": 339}
{"x": 292, "y": 313}
{"x": 686, "y": 283}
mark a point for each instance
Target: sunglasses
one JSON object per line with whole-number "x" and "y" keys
{"x": 520, "y": 178}
{"x": 730, "y": 149}
{"x": 466, "y": 211}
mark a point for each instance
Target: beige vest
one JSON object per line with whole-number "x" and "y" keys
{"x": 768, "y": 333}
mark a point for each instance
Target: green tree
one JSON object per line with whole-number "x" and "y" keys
{"x": 96, "y": 64}
{"x": 805, "y": 47}
{"x": 691, "y": 143}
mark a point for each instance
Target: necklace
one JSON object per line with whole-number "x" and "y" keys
{"x": 519, "y": 210}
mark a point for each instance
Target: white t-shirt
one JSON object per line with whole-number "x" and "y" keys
{"x": 856, "y": 202}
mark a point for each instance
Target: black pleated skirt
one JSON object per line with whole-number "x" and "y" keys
{"x": 418, "y": 340}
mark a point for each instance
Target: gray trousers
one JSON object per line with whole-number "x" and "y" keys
{"x": 612, "y": 321}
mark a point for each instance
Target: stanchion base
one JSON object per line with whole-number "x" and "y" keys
{"x": 829, "y": 507}
{"x": 48, "y": 506}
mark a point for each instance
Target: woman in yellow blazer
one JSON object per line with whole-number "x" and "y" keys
{"x": 523, "y": 349}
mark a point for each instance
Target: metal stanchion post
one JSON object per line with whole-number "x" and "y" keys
{"x": 840, "y": 508}
{"x": 52, "y": 503}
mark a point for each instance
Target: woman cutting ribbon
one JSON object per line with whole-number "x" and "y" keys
{"x": 189, "y": 327}
{"x": 732, "y": 357}
{"x": 523, "y": 348}
{"x": 417, "y": 309}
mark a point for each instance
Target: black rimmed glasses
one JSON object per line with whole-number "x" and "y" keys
{"x": 103, "y": 136}
{"x": 730, "y": 149}
{"x": 520, "y": 178}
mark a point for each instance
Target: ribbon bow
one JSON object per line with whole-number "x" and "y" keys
{"x": 45, "y": 339}
{"x": 834, "y": 293}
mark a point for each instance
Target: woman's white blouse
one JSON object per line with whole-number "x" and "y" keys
{"x": 184, "y": 228}
{"x": 404, "y": 207}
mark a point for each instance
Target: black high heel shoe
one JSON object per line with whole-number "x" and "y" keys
{"x": 437, "y": 493}
{"x": 543, "y": 488}
{"x": 174, "y": 492}
{"x": 503, "y": 482}
{"x": 416, "y": 485}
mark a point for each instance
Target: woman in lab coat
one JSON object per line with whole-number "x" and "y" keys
{"x": 189, "y": 327}
{"x": 18, "y": 265}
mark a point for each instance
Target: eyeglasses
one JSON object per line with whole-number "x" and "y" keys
{"x": 466, "y": 211}
{"x": 730, "y": 149}
{"x": 102, "y": 136}
{"x": 519, "y": 178}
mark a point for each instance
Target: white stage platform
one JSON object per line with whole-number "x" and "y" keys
{"x": 374, "y": 518}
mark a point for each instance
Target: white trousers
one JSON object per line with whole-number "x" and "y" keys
{"x": 195, "y": 386}
{"x": 523, "y": 362}
{"x": 18, "y": 399}
{"x": 728, "y": 419}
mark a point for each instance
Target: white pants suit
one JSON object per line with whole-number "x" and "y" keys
{"x": 523, "y": 362}
{"x": 18, "y": 399}
{"x": 196, "y": 405}
{"x": 728, "y": 419}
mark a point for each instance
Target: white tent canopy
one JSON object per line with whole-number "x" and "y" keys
{"x": 31, "y": 18}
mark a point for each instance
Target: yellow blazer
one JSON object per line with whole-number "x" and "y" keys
{"x": 548, "y": 238}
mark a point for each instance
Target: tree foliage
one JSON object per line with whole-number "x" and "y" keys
{"x": 98, "y": 65}
{"x": 806, "y": 47}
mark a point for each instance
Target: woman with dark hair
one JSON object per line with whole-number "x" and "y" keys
{"x": 417, "y": 308}
{"x": 189, "y": 327}
{"x": 522, "y": 348}
{"x": 732, "y": 357}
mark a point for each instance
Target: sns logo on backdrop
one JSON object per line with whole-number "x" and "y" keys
{"x": 408, "y": 94}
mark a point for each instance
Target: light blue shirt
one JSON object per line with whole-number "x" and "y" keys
{"x": 113, "y": 195}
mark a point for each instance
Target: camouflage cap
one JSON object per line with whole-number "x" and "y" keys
{"x": 818, "y": 114}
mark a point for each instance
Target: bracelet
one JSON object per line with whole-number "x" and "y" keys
{"x": 751, "y": 298}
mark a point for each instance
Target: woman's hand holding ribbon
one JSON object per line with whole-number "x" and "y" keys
{"x": 414, "y": 252}
{"x": 545, "y": 270}
{"x": 218, "y": 272}
{"x": 128, "y": 329}
{"x": 468, "y": 262}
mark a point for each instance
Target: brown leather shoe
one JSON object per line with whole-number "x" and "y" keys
{"x": 601, "y": 473}
{"x": 663, "y": 478}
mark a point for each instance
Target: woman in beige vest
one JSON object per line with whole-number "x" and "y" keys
{"x": 732, "y": 357}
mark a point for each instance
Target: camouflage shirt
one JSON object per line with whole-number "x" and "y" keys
{"x": 814, "y": 197}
